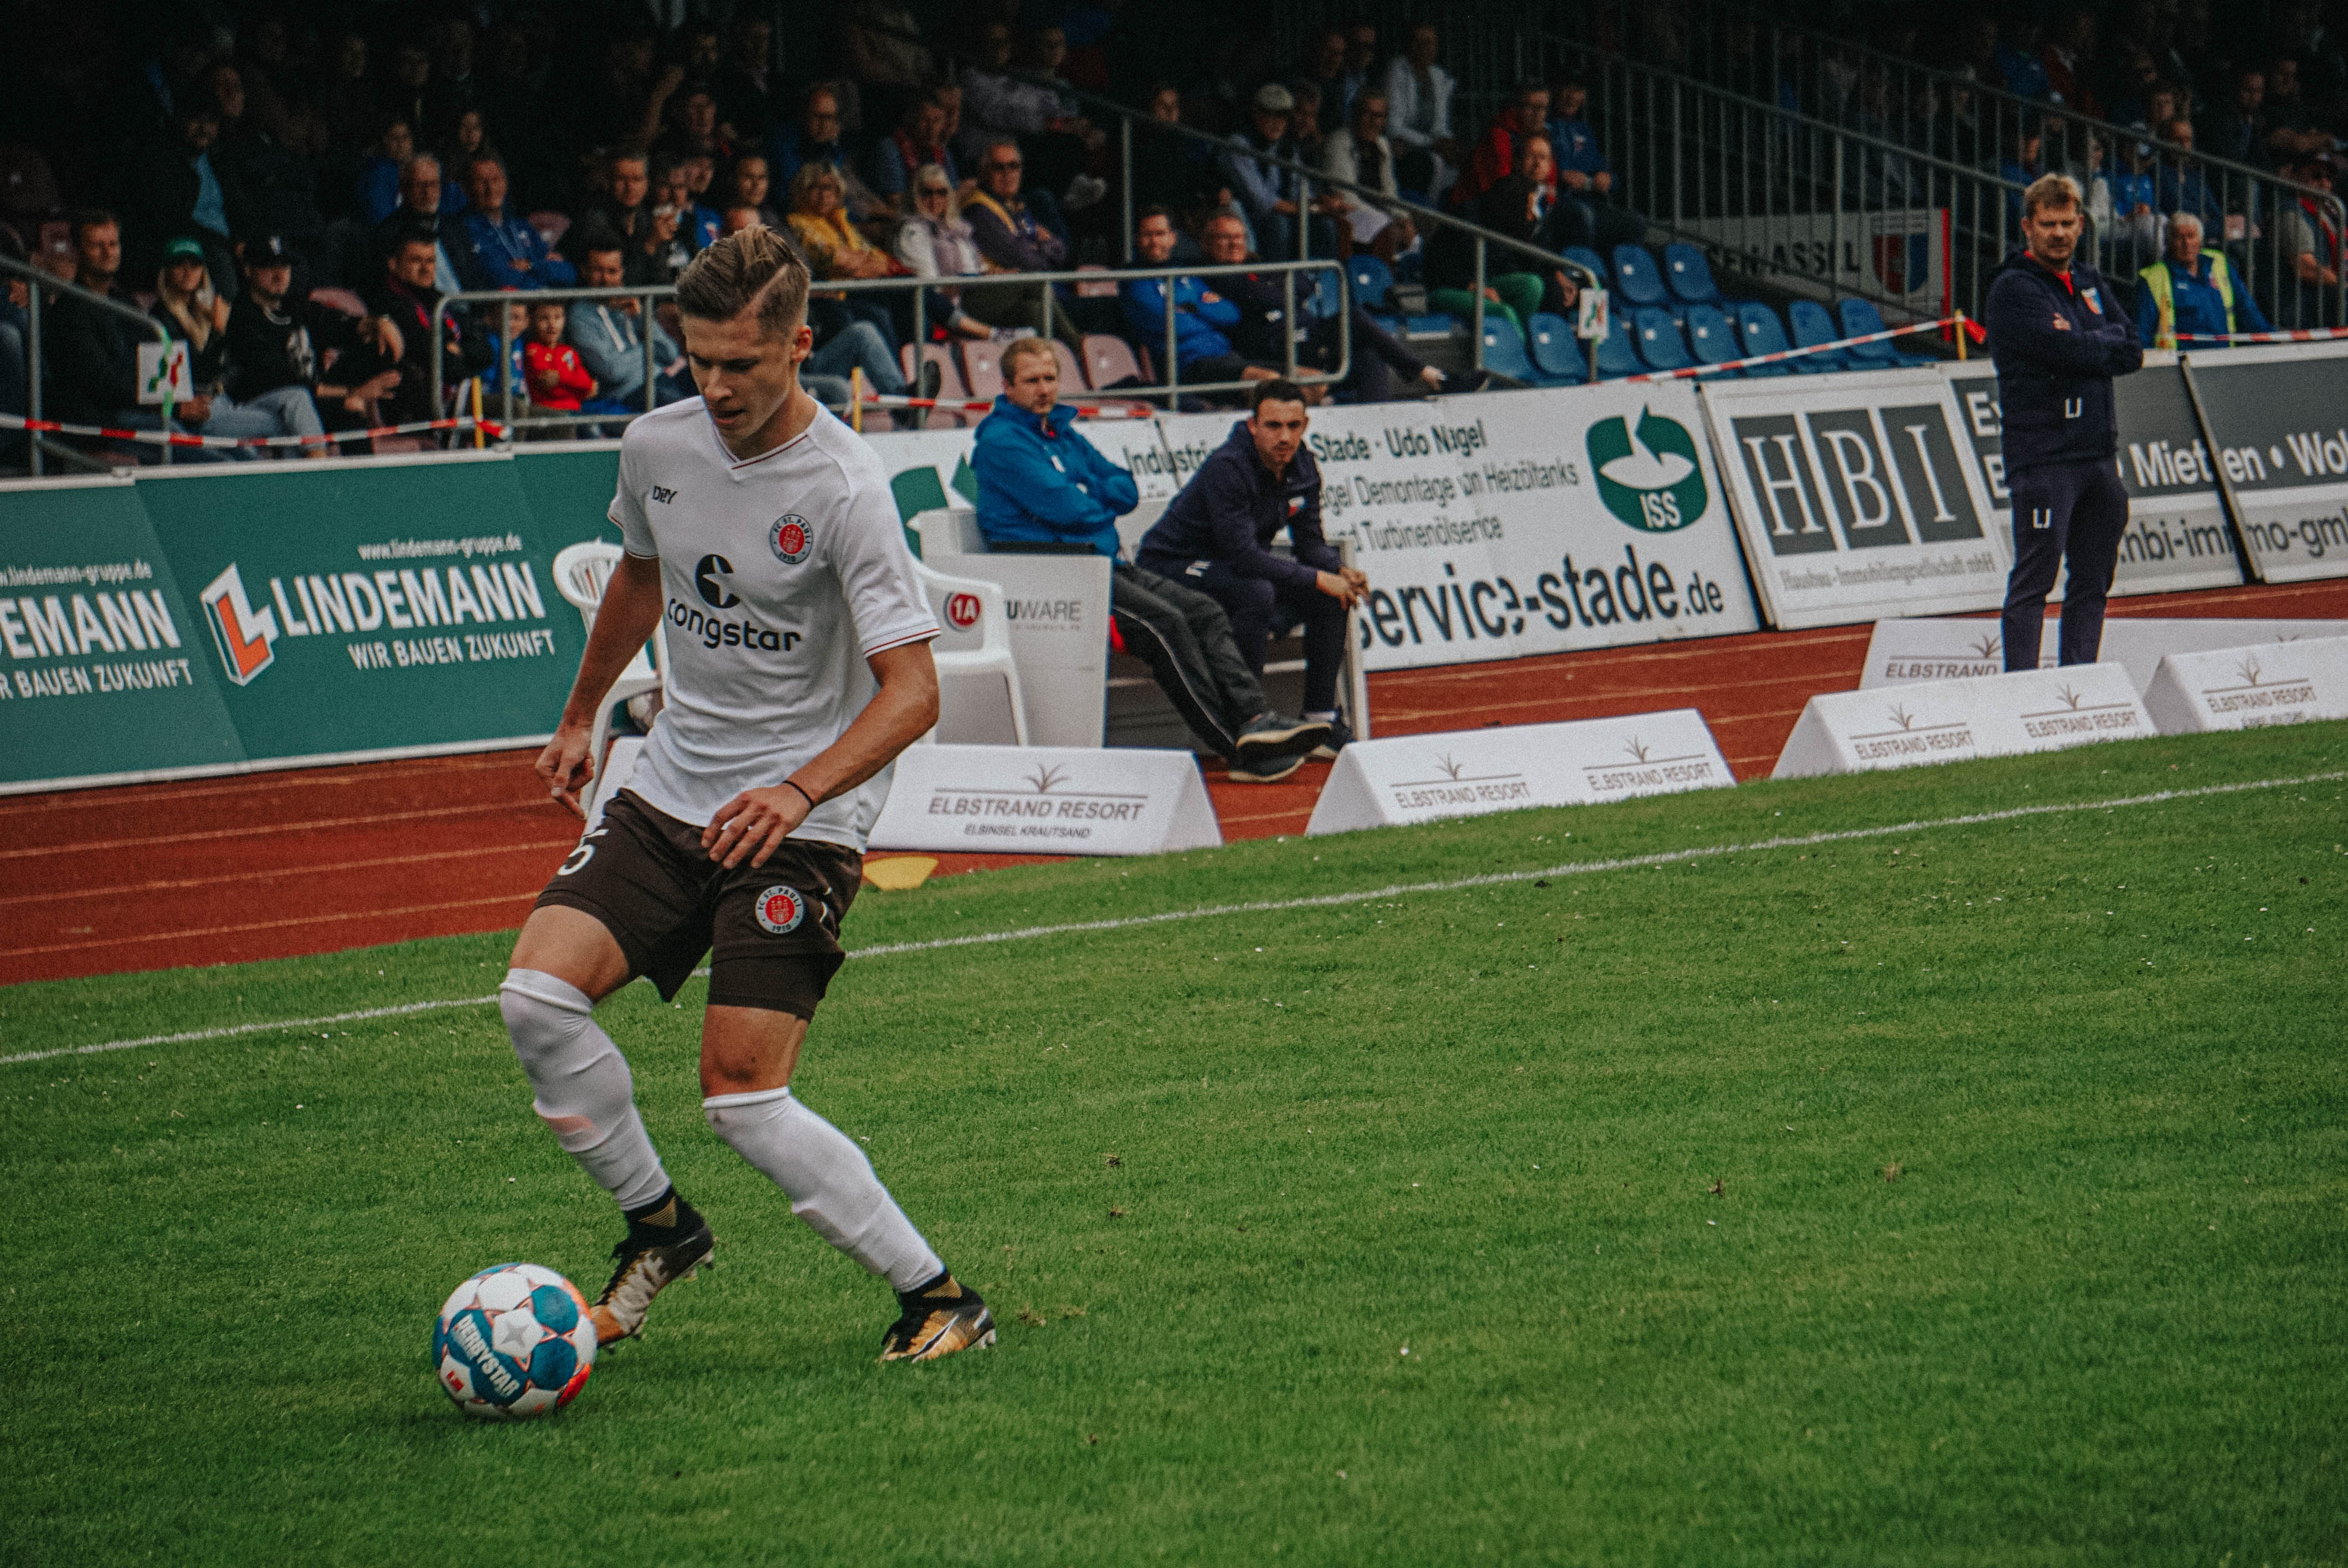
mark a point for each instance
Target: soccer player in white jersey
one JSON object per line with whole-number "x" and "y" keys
{"x": 762, "y": 530}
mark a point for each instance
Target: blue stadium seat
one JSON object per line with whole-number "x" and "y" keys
{"x": 1812, "y": 325}
{"x": 1618, "y": 351}
{"x": 1859, "y": 317}
{"x": 1765, "y": 333}
{"x": 1504, "y": 353}
{"x": 1372, "y": 279}
{"x": 1660, "y": 344}
{"x": 1582, "y": 255}
{"x": 1711, "y": 339}
{"x": 1328, "y": 294}
{"x": 1637, "y": 279}
{"x": 1690, "y": 276}
{"x": 1557, "y": 353}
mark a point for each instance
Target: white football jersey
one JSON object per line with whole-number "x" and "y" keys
{"x": 781, "y": 575}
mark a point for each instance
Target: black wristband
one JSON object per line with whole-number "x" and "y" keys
{"x": 812, "y": 802}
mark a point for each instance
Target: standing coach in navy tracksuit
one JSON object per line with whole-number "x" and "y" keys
{"x": 2058, "y": 336}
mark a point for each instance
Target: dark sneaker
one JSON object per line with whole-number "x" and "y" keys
{"x": 653, "y": 1257}
{"x": 1265, "y": 770}
{"x": 929, "y": 378}
{"x": 1272, "y": 733}
{"x": 1337, "y": 739}
{"x": 937, "y": 1319}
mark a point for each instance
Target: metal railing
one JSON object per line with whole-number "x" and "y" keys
{"x": 38, "y": 445}
{"x": 1045, "y": 283}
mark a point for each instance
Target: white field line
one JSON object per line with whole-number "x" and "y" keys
{"x": 1275, "y": 906}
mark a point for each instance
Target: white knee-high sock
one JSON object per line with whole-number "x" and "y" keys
{"x": 583, "y": 1089}
{"x": 830, "y": 1182}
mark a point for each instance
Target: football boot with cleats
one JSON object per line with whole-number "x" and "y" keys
{"x": 652, "y": 1257}
{"x": 937, "y": 1319}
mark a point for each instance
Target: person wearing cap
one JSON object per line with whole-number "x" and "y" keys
{"x": 277, "y": 345}
{"x": 90, "y": 354}
{"x": 2191, "y": 291}
{"x": 1267, "y": 191}
{"x": 193, "y": 313}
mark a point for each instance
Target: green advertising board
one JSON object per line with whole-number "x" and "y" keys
{"x": 106, "y": 672}
{"x": 294, "y": 612}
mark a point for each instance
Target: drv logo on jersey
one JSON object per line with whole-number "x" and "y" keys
{"x": 662, "y": 493}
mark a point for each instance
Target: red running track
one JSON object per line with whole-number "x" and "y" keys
{"x": 150, "y": 877}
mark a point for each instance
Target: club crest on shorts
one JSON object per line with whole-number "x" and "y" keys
{"x": 781, "y": 909}
{"x": 788, "y": 538}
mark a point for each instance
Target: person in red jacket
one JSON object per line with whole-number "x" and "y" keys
{"x": 1502, "y": 150}
{"x": 558, "y": 382}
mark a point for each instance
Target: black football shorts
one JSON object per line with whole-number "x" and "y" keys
{"x": 772, "y": 932}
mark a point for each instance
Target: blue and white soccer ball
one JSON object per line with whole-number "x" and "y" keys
{"x": 514, "y": 1342}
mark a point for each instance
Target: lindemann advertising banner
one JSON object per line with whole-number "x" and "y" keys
{"x": 2278, "y": 418}
{"x": 1852, "y": 497}
{"x": 2178, "y": 535}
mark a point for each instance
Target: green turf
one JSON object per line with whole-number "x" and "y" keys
{"x": 1609, "y": 1155}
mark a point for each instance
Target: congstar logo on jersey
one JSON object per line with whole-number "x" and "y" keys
{"x": 1649, "y": 477}
{"x": 711, "y": 580}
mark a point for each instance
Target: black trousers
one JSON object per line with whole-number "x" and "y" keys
{"x": 1257, "y": 606}
{"x": 2074, "y": 511}
{"x": 1185, "y": 638}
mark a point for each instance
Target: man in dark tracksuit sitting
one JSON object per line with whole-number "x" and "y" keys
{"x": 1043, "y": 487}
{"x": 1217, "y": 534}
{"x": 2058, "y": 336}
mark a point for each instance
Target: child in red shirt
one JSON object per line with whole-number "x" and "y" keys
{"x": 557, "y": 380}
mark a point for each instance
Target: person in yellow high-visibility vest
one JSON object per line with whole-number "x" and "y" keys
{"x": 2191, "y": 291}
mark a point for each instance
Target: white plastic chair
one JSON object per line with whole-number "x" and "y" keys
{"x": 992, "y": 655}
{"x": 581, "y": 572}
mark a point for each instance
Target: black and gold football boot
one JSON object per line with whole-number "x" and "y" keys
{"x": 938, "y": 1319}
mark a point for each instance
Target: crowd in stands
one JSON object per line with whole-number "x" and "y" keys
{"x": 291, "y": 190}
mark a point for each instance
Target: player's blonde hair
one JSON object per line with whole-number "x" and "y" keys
{"x": 1021, "y": 348}
{"x": 2051, "y": 191}
{"x": 753, "y": 267}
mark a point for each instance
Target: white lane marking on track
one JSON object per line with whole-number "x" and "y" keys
{"x": 1271, "y": 906}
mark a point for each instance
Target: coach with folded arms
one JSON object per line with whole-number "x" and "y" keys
{"x": 2058, "y": 335}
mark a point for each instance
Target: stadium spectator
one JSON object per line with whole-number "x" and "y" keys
{"x": 405, "y": 296}
{"x": 509, "y": 248}
{"x": 1304, "y": 121}
{"x": 1216, "y": 537}
{"x": 457, "y": 266}
{"x": 559, "y": 380}
{"x": 747, "y": 184}
{"x": 1269, "y": 191}
{"x": 187, "y": 305}
{"x": 2020, "y": 69}
{"x": 1042, "y": 485}
{"x": 1016, "y": 230}
{"x": 2067, "y": 60}
{"x": 91, "y": 354}
{"x": 1361, "y": 63}
{"x": 2308, "y": 241}
{"x": 920, "y": 139}
{"x": 1266, "y": 327}
{"x": 935, "y": 243}
{"x": 2191, "y": 291}
{"x": 1500, "y": 151}
{"x": 181, "y": 190}
{"x": 610, "y": 335}
{"x": 1584, "y": 179}
{"x": 2125, "y": 201}
{"x": 835, "y": 248}
{"x": 2291, "y": 131}
{"x": 2183, "y": 186}
{"x": 1418, "y": 100}
{"x": 687, "y": 179}
{"x": 881, "y": 46}
{"x": 353, "y": 108}
{"x": 1324, "y": 71}
{"x": 815, "y": 139}
{"x": 457, "y": 152}
{"x": 2239, "y": 131}
{"x": 1169, "y": 170}
{"x": 378, "y": 179}
{"x": 749, "y": 104}
{"x": 692, "y": 129}
{"x": 1032, "y": 103}
{"x": 1511, "y": 286}
{"x": 625, "y": 213}
{"x": 1363, "y": 155}
{"x": 277, "y": 343}
{"x": 1203, "y": 317}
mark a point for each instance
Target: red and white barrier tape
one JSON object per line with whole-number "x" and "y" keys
{"x": 982, "y": 405}
{"x": 1696, "y": 370}
{"x": 174, "y": 438}
{"x": 2309, "y": 334}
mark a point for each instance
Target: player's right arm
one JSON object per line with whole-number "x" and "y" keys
{"x": 630, "y": 610}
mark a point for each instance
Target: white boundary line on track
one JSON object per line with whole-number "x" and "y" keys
{"x": 1273, "y": 906}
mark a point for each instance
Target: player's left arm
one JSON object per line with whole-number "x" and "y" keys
{"x": 754, "y": 823}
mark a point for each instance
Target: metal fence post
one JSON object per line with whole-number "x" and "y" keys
{"x": 652, "y": 393}
{"x": 1125, "y": 165}
{"x": 1476, "y": 334}
{"x": 33, "y": 368}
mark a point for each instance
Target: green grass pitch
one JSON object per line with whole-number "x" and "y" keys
{"x": 1967, "y": 1195}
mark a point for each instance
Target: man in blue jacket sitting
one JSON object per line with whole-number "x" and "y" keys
{"x": 2058, "y": 335}
{"x": 1217, "y": 533}
{"x": 1044, "y": 489}
{"x": 1204, "y": 318}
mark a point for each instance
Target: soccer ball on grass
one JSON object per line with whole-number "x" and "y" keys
{"x": 513, "y": 1341}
